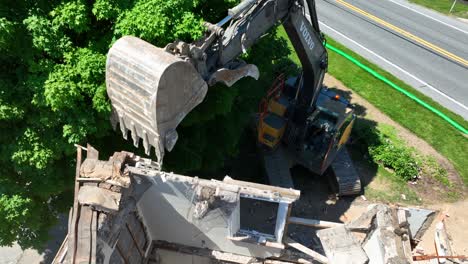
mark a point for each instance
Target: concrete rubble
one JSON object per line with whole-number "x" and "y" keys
{"x": 341, "y": 246}
{"x": 127, "y": 210}
{"x": 385, "y": 242}
{"x": 419, "y": 220}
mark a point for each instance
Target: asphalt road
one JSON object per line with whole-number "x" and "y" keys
{"x": 425, "y": 49}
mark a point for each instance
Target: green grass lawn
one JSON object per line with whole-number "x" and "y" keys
{"x": 390, "y": 189}
{"x": 443, "y": 6}
{"x": 441, "y": 135}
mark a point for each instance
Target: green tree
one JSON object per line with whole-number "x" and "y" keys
{"x": 52, "y": 95}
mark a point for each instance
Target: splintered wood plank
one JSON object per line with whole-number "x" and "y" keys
{"x": 313, "y": 222}
{"x": 84, "y": 236}
{"x": 74, "y": 217}
{"x": 313, "y": 254}
{"x": 93, "y": 240}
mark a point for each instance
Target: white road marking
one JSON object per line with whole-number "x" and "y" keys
{"x": 428, "y": 16}
{"x": 397, "y": 67}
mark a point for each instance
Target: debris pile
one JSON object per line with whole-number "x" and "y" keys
{"x": 127, "y": 210}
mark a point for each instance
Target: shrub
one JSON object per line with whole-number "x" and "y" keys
{"x": 390, "y": 151}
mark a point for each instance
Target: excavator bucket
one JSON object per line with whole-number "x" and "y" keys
{"x": 151, "y": 91}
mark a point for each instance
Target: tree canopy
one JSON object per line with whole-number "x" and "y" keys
{"x": 53, "y": 95}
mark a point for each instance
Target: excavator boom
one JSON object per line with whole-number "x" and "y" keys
{"x": 152, "y": 89}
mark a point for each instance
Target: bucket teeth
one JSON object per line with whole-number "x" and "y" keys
{"x": 135, "y": 137}
{"x": 114, "y": 120}
{"x": 123, "y": 128}
{"x": 146, "y": 144}
{"x": 171, "y": 139}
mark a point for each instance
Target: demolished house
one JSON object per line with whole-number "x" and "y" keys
{"x": 127, "y": 210}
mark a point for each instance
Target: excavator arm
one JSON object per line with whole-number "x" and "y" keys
{"x": 153, "y": 89}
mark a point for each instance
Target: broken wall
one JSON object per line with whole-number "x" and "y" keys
{"x": 104, "y": 225}
{"x": 182, "y": 221}
{"x": 125, "y": 209}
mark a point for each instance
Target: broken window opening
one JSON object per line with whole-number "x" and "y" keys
{"x": 258, "y": 218}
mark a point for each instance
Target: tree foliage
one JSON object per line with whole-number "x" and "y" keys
{"x": 52, "y": 95}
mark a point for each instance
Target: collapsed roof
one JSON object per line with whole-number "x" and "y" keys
{"x": 127, "y": 210}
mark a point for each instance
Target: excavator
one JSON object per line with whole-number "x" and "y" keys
{"x": 301, "y": 122}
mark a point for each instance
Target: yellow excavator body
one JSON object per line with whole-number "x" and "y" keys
{"x": 271, "y": 128}
{"x": 346, "y": 133}
{"x": 272, "y": 122}
{"x": 278, "y": 107}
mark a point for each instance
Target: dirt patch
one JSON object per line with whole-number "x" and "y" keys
{"x": 427, "y": 186}
{"x": 433, "y": 192}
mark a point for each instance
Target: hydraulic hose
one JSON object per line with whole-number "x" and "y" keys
{"x": 398, "y": 88}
